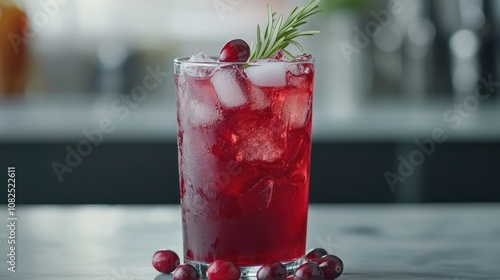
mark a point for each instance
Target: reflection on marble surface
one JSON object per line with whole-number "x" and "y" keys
{"x": 442, "y": 242}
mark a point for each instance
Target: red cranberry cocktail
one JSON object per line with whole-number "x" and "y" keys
{"x": 244, "y": 143}
{"x": 244, "y": 140}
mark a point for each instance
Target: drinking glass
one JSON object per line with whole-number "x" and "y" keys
{"x": 244, "y": 146}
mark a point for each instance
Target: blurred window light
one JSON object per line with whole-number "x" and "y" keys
{"x": 50, "y": 19}
{"x": 410, "y": 11}
{"x": 471, "y": 13}
{"x": 421, "y": 35}
{"x": 112, "y": 54}
{"x": 389, "y": 40}
{"x": 124, "y": 19}
{"x": 421, "y": 32}
{"x": 464, "y": 44}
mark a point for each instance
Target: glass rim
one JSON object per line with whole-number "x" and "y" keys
{"x": 185, "y": 61}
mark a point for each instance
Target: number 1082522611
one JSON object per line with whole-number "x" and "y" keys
{"x": 11, "y": 189}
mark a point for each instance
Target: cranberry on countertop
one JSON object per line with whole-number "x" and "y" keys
{"x": 186, "y": 272}
{"x": 313, "y": 255}
{"x": 308, "y": 271}
{"x": 332, "y": 266}
{"x": 223, "y": 270}
{"x": 165, "y": 261}
{"x": 272, "y": 271}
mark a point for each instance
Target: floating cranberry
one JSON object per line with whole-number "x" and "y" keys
{"x": 223, "y": 270}
{"x": 235, "y": 51}
{"x": 272, "y": 271}
{"x": 186, "y": 272}
{"x": 313, "y": 255}
{"x": 308, "y": 271}
{"x": 332, "y": 266}
{"x": 165, "y": 261}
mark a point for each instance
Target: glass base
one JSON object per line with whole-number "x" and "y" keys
{"x": 247, "y": 272}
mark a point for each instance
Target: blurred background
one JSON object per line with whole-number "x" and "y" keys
{"x": 406, "y": 96}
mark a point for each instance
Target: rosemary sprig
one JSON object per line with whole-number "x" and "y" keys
{"x": 280, "y": 33}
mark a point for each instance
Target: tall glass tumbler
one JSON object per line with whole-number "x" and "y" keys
{"x": 244, "y": 146}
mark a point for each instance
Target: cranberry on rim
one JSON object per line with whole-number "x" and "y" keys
{"x": 223, "y": 270}
{"x": 235, "y": 50}
{"x": 165, "y": 261}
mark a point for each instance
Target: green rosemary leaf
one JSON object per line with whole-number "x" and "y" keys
{"x": 280, "y": 33}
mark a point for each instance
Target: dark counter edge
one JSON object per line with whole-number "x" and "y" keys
{"x": 341, "y": 172}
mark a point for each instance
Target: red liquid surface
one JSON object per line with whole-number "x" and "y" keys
{"x": 244, "y": 170}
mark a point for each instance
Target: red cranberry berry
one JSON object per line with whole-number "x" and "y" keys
{"x": 272, "y": 271}
{"x": 332, "y": 266}
{"x": 223, "y": 270}
{"x": 280, "y": 55}
{"x": 186, "y": 272}
{"x": 308, "y": 271}
{"x": 165, "y": 261}
{"x": 313, "y": 255}
{"x": 235, "y": 50}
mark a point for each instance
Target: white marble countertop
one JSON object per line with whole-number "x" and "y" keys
{"x": 442, "y": 242}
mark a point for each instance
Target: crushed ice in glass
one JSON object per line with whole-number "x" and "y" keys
{"x": 260, "y": 144}
{"x": 200, "y": 71}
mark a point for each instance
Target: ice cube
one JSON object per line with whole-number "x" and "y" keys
{"x": 304, "y": 57}
{"x": 200, "y": 71}
{"x": 300, "y": 68}
{"x": 201, "y": 57}
{"x": 302, "y": 65}
{"x": 268, "y": 74}
{"x": 227, "y": 87}
{"x": 261, "y": 144}
{"x": 259, "y": 98}
{"x": 260, "y": 194}
{"x": 182, "y": 101}
{"x": 197, "y": 161}
{"x": 202, "y": 114}
{"x": 197, "y": 103}
{"x": 300, "y": 82}
{"x": 295, "y": 107}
